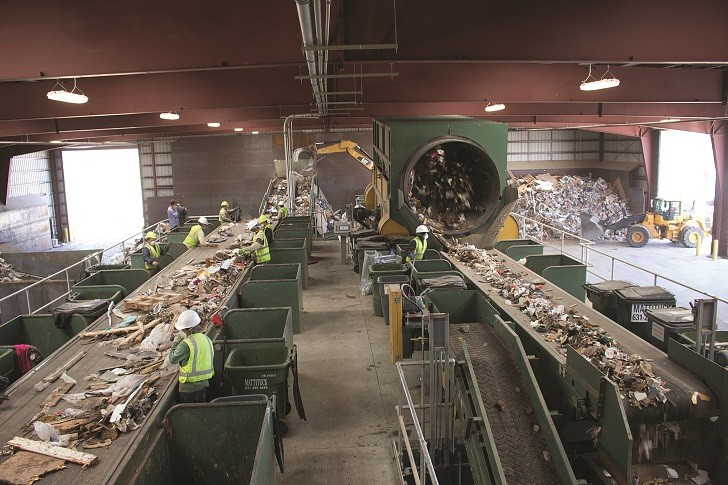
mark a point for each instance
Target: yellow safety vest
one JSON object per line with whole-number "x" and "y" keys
{"x": 199, "y": 365}
{"x": 222, "y": 215}
{"x": 262, "y": 254}
{"x": 154, "y": 252}
{"x": 420, "y": 247}
{"x": 191, "y": 241}
{"x": 282, "y": 212}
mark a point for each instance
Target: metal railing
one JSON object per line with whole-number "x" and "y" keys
{"x": 88, "y": 261}
{"x": 588, "y": 247}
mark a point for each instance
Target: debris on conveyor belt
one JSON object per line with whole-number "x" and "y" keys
{"x": 564, "y": 326}
{"x": 118, "y": 398}
{"x": 523, "y": 452}
{"x": 443, "y": 190}
{"x": 559, "y": 200}
{"x": 8, "y": 273}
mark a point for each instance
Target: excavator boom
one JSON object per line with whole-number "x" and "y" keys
{"x": 343, "y": 146}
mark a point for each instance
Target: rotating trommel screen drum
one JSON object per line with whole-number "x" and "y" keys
{"x": 446, "y": 172}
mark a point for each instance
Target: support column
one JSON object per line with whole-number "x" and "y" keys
{"x": 650, "y": 139}
{"x": 719, "y": 140}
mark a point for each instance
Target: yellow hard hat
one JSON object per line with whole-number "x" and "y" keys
{"x": 263, "y": 218}
{"x": 150, "y": 235}
{"x": 224, "y": 203}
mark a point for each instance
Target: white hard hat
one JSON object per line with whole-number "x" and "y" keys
{"x": 187, "y": 319}
{"x": 252, "y": 224}
{"x": 421, "y": 229}
{"x": 202, "y": 220}
{"x": 282, "y": 203}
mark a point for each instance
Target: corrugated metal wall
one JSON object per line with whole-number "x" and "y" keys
{"x": 578, "y": 145}
{"x": 31, "y": 174}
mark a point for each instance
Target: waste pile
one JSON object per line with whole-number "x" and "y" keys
{"x": 559, "y": 200}
{"x": 117, "y": 399}
{"x": 9, "y": 274}
{"x": 442, "y": 190}
{"x": 564, "y": 326}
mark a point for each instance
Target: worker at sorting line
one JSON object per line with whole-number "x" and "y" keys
{"x": 194, "y": 355}
{"x": 260, "y": 243}
{"x": 196, "y": 237}
{"x": 267, "y": 227}
{"x": 418, "y": 244}
{"x": 151, "y": 252}
{"x": 282, "y": 210}
{"x": 224, "y": 216}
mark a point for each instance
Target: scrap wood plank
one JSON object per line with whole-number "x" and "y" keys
{"x": 46, "y": 449}
{"x": 73, "y": 424}
{"x": 58, "y": 372}
{"x": 55, "y": 396}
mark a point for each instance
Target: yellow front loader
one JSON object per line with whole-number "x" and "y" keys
{"x": 667, "y": 220}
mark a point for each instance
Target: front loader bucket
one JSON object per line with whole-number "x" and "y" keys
{"x": 590, "y": 227}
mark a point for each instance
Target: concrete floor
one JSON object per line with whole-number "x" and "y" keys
{"x": 348, "y": 385}
{"x": 670, "y": 261}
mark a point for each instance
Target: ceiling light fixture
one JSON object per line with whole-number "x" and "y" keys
{"x": 255, "y": 132}
{"x": 169, "y": 115}
{"x": 670, "y": 120}
{"x": 64, "y": 96}
{"x": 214, "y": 124}
{"x": 491, "y": 107}
{"x": 593, "y": 84}
{"x": 238, "y": 129}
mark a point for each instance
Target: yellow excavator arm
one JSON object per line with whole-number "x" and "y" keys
{"x": 343, "y": 146}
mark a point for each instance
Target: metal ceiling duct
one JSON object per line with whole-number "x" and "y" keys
{"x": 309, "y": 40}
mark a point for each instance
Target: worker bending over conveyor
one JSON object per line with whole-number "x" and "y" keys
{"x": 259, "y": 244}
{"x": 196, "y": 237}
{"x": 267, "y": 227}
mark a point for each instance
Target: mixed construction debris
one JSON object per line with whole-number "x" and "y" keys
{"x": 9, "y": 274}
{"x": 558, "y": 201}
{"x": 564, "y": 326}
{"x": 118, "y": 398}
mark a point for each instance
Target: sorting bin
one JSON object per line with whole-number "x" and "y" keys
{"x": 565, "y": 272}
{"x": 274, "y": 285}
{"x": 294, "y": 232}
{"x": 113, "y": 293}
{"x": 519, "y": 248}
{"x": 424, "y": 280}
{"x": 383, "y": 281}
{"x": 261, "y": 370}
{"x": 603, "y": 298}
{"x": 362, "y": 247}
{"x": 665, "y": 323}
{"x": 402, "y": 250}
{"x": 383, "y": 269}
{"x": 429, "y": 265}
{"x": 38, "y": 331}
{"x": 633, "y": 301}
{"x": 291, "y": 251}
{"x": 129, "y": 279}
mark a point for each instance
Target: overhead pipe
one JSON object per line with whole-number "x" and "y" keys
{"x": 307, "y": 33}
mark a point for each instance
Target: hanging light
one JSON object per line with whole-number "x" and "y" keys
{"x": 169, "y": 115}
{"x": 491, "y": 107}
{"x": 593, "y": 84}
{"x": 238, "y": 129}
{"x": 64, "y": 96}
{"x": 254, "y": 132}
{"x": 214, "y": 124}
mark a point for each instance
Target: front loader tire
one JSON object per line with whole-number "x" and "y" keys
{"x": 690, "y": 235}
{"x": 637, "y": 236}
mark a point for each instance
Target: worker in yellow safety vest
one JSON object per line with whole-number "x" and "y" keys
{"x": 194, "y": 355}
{"x": 260, "y": 242}
{"x": 267, "y": 227}
{"x": 151, "y": 252}
{"x": 282, "y": 210}
{"x": 418, "y": 244}
{"x": 196, "y": 237}
{"x": 223, "y": 216}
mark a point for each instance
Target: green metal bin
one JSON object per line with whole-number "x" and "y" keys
{"x": 274, "y": 285}
{"x": 129, "y": 279}
{"x": 565, "y": 272}
{"x": 113, "y": 293}
{"x": 291, "y": 251}
{"x": 291, "y": 232}
{"x": 519, "y": 248}
{"x": 429, "y": 265}
{"x": 261, "y": 370}
{"x": 362, "y": 248}
{"x": 383, "y": 269}
{"x": 424, "y": 280}
{"x": 38, "y": 331}
{"x": 665, "y": 323}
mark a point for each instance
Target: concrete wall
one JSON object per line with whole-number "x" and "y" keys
{"x": 24, "y": 224}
